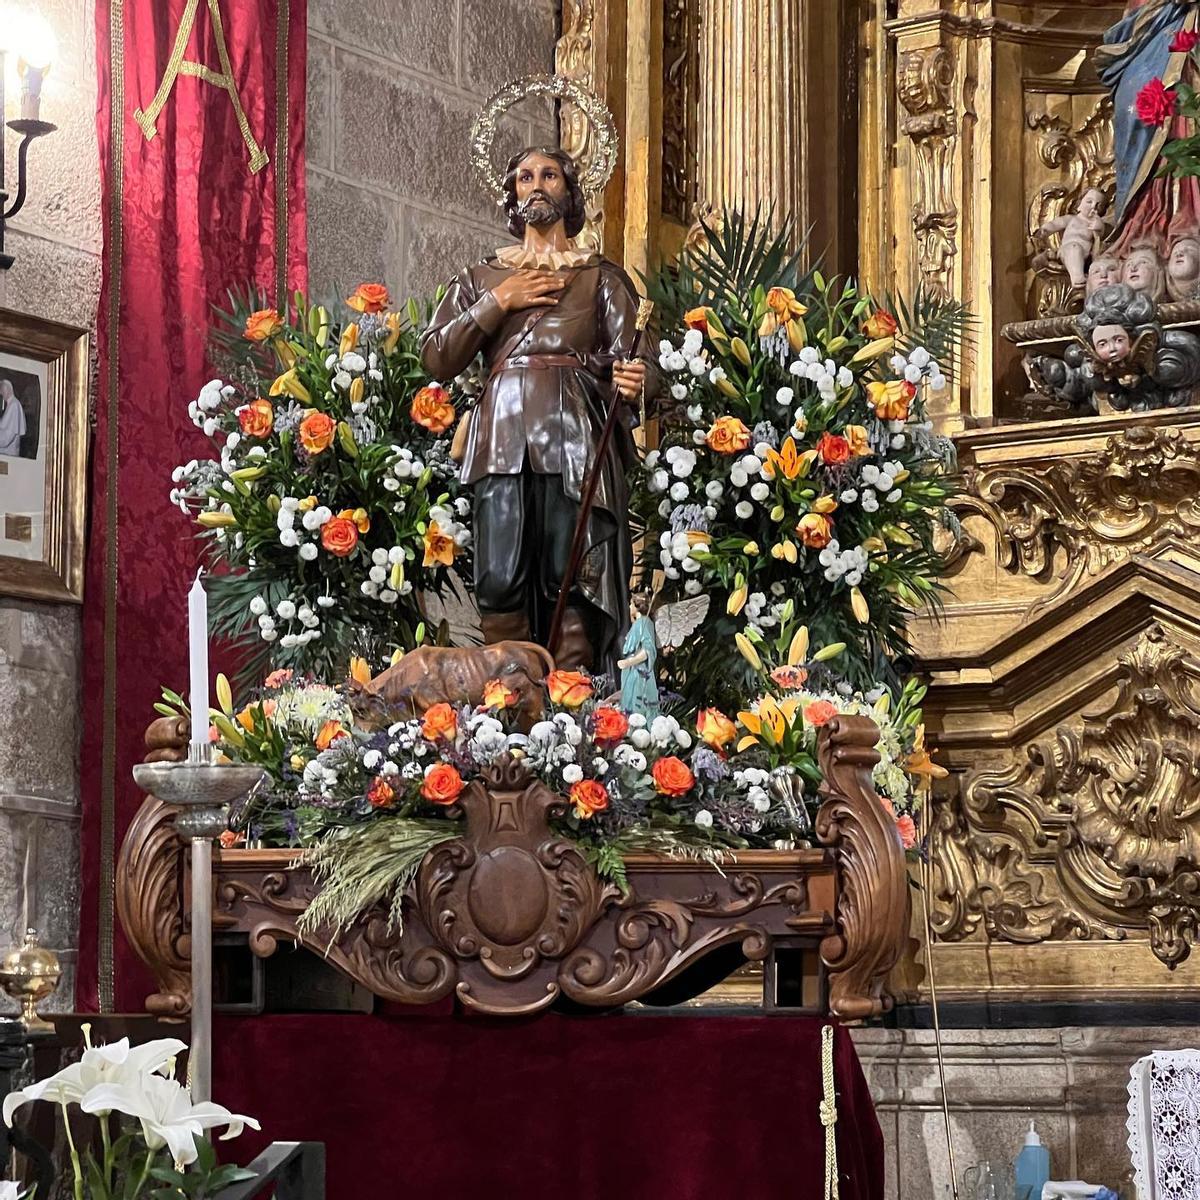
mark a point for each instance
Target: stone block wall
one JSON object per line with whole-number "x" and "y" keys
{"x": 393, "y": 88}
{"x": 56, "y": 241}
{"x": 1071, "y": 1081}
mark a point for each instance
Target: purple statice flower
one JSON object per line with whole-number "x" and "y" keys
{"x": 708, "y": 764}
{"x": 688, "y": 516}
{"x": 764, "y": 431}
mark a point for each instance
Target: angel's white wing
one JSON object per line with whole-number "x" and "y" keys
{"x": 675, "y": 622}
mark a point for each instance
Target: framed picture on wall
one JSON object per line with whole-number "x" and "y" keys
{"x": 43, "y": 457}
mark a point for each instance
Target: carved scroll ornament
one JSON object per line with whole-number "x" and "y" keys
{"x": 925, "y": 79}
{"x": 1097, "y": 832}
{"x": 1075, "y": 517}
{"x": 510, "y": 916}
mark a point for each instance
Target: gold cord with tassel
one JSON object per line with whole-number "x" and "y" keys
{"x": 829, "y": 1113}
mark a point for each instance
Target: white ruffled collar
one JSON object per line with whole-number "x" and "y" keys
{"x": 518, "y": 258}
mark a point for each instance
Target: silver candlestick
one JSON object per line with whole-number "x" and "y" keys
{"x": 202, "y": 793}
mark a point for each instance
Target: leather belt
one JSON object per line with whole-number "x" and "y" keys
{"x": 542, "y": 361}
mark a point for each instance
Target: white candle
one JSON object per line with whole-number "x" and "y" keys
{"x": 198, "y": 662}
{"x": 31, "y": 91}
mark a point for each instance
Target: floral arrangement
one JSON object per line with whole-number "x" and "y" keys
{"x": 796, "y": 468}
{"x": 153, "y": 1138}
{"x": 331, "y": 502}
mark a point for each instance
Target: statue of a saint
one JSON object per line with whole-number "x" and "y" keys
{"x": 1150, "y": 209}
{"x": 555, "y": 325}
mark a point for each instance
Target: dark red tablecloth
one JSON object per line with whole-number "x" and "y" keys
{"x": 586, "y": 1108}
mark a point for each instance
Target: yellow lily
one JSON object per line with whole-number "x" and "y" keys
{"x": 224, "y": 695}
{"x": 349, "y": 339}
{"x": 859, "y": 606}
{"x": 784, "y": 312}
{"x": 216, "y": 520}
{"x": 288, "y": 384}
{"x": 875, "y": 349}
{"x": 920, "y": 763}
{"x": 770, "y": 724}
{"x": 394, "y": 323}
{"x": 787, "y": 460}
{"x": 740, "y": 351}
{"x": 824, "y": 504}
{"x": 798, "y": 650}
{"x": 360, "y": 670}
{"x": 746, "y": 648}
{"x": 357, "y": 387}
{"x": 737, "y": 600}
{"x": 785, "y": 550}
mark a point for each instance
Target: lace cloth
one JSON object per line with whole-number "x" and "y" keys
{"x": 1164, "y": 1125}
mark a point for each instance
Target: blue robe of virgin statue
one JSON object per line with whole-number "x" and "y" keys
{"x": 1136, "y": 50}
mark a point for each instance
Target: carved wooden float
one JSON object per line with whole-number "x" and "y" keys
{"x": 510, "y": 918}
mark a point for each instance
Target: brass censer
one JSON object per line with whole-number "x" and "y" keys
{"x": 29, "y": 973}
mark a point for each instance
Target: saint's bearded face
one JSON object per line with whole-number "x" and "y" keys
{"x": 542, "y": 191}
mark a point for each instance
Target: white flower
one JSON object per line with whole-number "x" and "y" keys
{"x": 897, "y": 442}
{"x": 692, "y": 587}
{"x": 308, "y": 551}
{"x": 697, "y": 366}
{"x": 663, "y": 730}
{"x": 785, "y": 396}
{"x": 167, "y": 1114}
{"x": 258, "y": 606}
{"x": 848, "y": 496}
{"x": 679, "y": 491}
{"x": 893, "y": 496}
{"x": 289, "y": 537}
{"x": 666, "y": 347}
{"x": 704, "y": 819}
{"x": 845, "y": 377}
{"x": 659, "y": 481}
{"x": 870, "y": 474}
{"x": 912, "y": 373}
{"x": 572, "y": 773}
{"x": 379, "y": 557}
{"x": 760, "y": 491}
{"x": 744, "y": 509}
{"x": 285, "y": 609}
{"x": 354, "y": 362}
{"x": 870, "y": 502}
{"x": 738, "y": 477}
{"x": 919, "y": 358}
{"x": 679, "y": 391}
{"x": 675, "y": 362}
{"x": 325, "y": 601}
{"x": 716, "y": 375}
{"x": 640, "y": 738}
{"x": 809, "y": 355}
{"x": 117, "y": 1064}
{"x": 937, "y": 381}
{"x": 692, "y": 341}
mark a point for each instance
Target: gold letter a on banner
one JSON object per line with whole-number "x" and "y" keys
{"x": 177, "y": 64}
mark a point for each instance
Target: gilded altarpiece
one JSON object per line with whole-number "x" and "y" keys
{"x": 1065, "y": 669}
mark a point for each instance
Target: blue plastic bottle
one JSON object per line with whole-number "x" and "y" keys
{"x": 1032, "y": 1168}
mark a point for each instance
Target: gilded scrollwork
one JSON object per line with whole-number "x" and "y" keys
{"x": 575, "y": 59}
{"x": 681, "y": 65}
{"x": 1075, "y": 517}
{"x": 1097, "y": 832}
{"x": 924, "y": 83}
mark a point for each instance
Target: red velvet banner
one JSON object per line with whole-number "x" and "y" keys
{"x": 200, "y": 114}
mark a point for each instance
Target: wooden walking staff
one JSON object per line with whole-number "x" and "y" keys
{"x": 588, "y": 498}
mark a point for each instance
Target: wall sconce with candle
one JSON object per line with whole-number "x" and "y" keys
{"x": 31, "y": 40}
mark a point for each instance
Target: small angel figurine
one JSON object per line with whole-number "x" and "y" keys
{"x": 639, "y": 674}
{"x": 1080, "y": 231}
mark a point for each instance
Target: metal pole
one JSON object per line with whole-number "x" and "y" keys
{"x": 200, "y": 1054}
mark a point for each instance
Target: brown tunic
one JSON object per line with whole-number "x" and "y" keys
{"x": 545, "y": 400}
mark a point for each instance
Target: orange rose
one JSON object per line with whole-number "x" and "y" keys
{"x": 440, "y": 722}
{"x": 431, "y": 408}
{"x": 277, "y": 679}
{"x": 790, "y": 677}
{"x": 257, "y": 418}
{"x": 589, "y": 798}
{"x": 697, "y": 318}
{"x": 672, "y": 777}
{"x": 443, "y": 784}
{"x": 328, "y": 734}
{"x": 891, "y": 400}
{"x": 369, "y": 298}
{"x": 819, "y": 712}
{"x": 715, "y": 728}
{"x": 339, "y": 535}
{"x": 856, "y": 435}
{"x": 833, "y": 449}
{"x": 728, "y": 436}
{"x": 439, "y": 547}
{"x": 381, "y": 793}
{"x": 907, "y": 831}
{"x": 880, "y": 324}
{"x": 263, "y": 324}
{"x": 316, "y": 431}
{"x": 229, "y": 839}
{"x": 610, "y": 725}
{"x": 568, "y": 688}
{"x": 496, "y": 695}
{"x": 815, "y": 530}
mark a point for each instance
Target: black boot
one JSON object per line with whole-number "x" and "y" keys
{"x": 504, "y": 627}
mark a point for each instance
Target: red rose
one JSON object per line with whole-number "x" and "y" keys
{"x": 833, "y": 448}
{"x": 610, "y": 725}
{"x": 1154, "y": 103}
{"x": 1184, "y": 41}
{"x": 907, "y": 831}
{"x": 819, "y": 712}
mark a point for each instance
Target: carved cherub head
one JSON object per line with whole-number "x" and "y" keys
{"x": 1103, "y": 271}
{"x": 1183, "y": 267}
{"x": 1143, "y": 271}
{"x": 1116, "y": 326}
{"x": 1092, "y": 203}
{"x": 531, "y": 196}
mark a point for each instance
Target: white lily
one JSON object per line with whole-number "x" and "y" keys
{"x": 167, "y": 1114}
{"x": 118, "y": 1063}
{"x": 10, "y": 1190}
